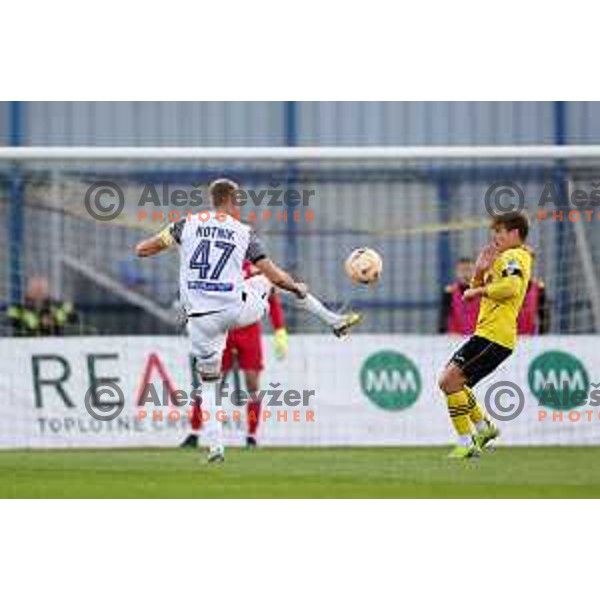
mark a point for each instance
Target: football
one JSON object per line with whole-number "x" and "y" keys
{"x": 364, "y": 265}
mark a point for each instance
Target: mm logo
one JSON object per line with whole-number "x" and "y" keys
{"x": 390, "y": 380}
{"x": 554, "y": 378}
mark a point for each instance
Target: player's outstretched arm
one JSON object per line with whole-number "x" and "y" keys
{"x": 282, "y": 279}
{"x": 155, "y": 244}
{"x": 149, "y": 247}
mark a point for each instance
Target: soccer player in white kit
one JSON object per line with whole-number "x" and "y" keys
{"x": 215, "y": 295}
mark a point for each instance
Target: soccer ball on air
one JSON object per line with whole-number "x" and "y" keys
{"x": 364, "y": 265}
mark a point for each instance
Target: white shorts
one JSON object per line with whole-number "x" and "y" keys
{"x": 208, "y": 333}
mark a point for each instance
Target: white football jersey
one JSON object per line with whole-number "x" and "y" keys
{"x": 211, "y": 254}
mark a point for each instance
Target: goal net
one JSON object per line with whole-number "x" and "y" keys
{"x": 421, "y": 208}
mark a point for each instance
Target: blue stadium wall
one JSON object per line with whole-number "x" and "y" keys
{"x": 303, "y": 123}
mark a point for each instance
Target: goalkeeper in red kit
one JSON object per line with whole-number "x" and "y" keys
{"x": 244, "y": 346}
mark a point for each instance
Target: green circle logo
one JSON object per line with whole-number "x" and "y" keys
{"x": 390, "y": 380}
{"x": 559, "y": 380}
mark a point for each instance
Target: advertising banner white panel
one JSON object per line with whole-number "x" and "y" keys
{"x": 365, "y": 390}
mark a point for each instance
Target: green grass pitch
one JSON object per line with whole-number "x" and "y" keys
{"x": 551, "y": 472}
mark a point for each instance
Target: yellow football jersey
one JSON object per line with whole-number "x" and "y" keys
{"x": 506, "y": 285}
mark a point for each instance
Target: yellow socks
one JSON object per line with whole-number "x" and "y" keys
{"x": 476, "y": 413}
{"x": 458, "y": 408}
{"x": 464, "y": 410}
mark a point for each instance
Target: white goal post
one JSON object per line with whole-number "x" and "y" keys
{"x": 297, "y": 153}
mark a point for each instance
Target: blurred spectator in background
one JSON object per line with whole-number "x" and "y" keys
{"x": 39, "y": 314}
{"x": 456, "y": 314}
{"x": 534, "y": 317}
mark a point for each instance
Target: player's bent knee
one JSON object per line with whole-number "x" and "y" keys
{"x": 443, "y": 382}
{"x": 451, "y": 380}
{"x": 208, "y": 371}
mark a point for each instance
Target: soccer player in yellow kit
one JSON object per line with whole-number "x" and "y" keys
{"x": 502, "y": 274}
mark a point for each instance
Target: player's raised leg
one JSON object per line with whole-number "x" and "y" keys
{"x": 340, "y": 323}
{"x": 260, "y": 287}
